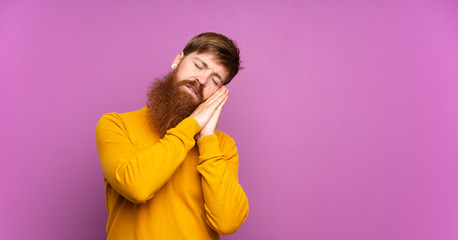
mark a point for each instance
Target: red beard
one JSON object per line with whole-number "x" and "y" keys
{"x": 169, "y": 102}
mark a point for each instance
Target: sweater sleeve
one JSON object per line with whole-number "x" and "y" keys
{"x": 138, "y": 174}
{"x": 226, "y": 203}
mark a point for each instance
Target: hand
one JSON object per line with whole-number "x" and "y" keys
{"x": 210, "y": 128}
{"x": 204, "y": 112}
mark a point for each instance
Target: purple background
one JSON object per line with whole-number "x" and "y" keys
{"x": 346, "y": 115}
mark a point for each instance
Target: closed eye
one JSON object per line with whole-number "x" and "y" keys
{"x": 197, "y": 66}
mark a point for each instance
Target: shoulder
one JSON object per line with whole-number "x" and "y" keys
{"x": 114, "y": 119}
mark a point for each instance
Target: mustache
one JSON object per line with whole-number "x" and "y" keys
{"x": 194, "y": 85}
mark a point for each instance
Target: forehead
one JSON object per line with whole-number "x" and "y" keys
{"x": 211, "y": 61}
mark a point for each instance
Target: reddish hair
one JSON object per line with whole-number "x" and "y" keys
{"x": 222, "y": 47}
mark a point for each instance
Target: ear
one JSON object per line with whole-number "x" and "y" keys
{"x": 178, "y": 58}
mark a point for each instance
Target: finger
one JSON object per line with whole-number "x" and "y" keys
{"x": 217, "y": 102}
{"x": 220, "y": 107}
{"x": 216, "y": 98}
{"x": 208, "y": 107}
{"x": 217, "y": 94}
{"x": 213, "y": 122}
{"x": 210, "y": 100}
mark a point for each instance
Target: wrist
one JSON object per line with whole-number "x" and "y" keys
{"x": 198, "y": 121}
{"x": 206, "y": 133}
{"x": 208, "y": 147}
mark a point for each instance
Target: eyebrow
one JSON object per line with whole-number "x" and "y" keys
{"x": 215, "y": 73}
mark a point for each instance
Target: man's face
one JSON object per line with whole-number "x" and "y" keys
{"x": 202, "y": 68}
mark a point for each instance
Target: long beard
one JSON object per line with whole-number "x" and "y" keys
{"x": 168, "y": 102}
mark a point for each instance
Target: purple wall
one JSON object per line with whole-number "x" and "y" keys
{"x": 346, "y": 115}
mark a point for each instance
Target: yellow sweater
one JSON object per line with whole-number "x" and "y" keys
{"x": 168, "y": 188}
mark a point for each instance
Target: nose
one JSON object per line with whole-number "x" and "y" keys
{"x": 202, "y": 79}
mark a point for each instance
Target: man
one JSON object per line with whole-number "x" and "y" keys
{"x": 168, "y": 173}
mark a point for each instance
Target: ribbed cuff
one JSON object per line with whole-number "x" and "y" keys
{"x": 208, "y": 147}
{"x": 189, "y": 124}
